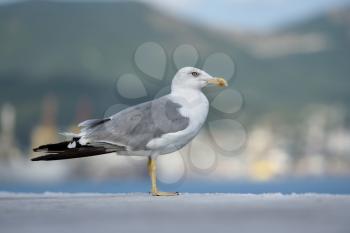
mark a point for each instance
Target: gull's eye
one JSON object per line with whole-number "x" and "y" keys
{"x": 195, "y": 74}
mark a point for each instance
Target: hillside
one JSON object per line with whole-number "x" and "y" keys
{"x": 76, "y": 50}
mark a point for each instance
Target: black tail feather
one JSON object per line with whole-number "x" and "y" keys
{"x": 57, "y": 147}
{"x": 62, "y": 150}
{"x": 85, "y": 151}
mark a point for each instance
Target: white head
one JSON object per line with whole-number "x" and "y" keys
{"x": 193, "y": 78}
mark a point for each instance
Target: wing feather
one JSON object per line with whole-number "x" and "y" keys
{"x": 134, "y": 127}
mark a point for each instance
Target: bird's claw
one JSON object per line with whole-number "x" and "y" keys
{"x": 165, "y": 194}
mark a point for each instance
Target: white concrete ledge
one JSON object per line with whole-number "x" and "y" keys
{"x": 139, "y": 212}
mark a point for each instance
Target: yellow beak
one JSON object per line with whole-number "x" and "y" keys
{"x": 218, "y": 81}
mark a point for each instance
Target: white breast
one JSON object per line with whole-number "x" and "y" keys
{"x": 195, "y": 106}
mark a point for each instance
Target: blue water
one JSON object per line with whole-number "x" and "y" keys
{"x": 329, "y": 185}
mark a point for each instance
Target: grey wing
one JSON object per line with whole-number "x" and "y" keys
{"x": 134, "y": 127}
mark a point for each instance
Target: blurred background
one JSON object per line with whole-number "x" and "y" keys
{"x": 287, "y": 127}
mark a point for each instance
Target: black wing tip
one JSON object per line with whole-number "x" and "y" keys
{"x": 42, "y": 148}
{"x": 55, "y": 147}
{"x": 36, "y": 149}
{"x": 37, "y": 158}
{"x": 49, "y": 157}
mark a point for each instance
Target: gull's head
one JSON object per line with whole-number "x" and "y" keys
{"x": 194, "y": 78}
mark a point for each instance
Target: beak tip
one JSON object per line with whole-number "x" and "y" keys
{"x": 222, "y": 82}
{"x": 219, "y": 82}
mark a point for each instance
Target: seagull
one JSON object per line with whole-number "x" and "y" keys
{"x": 161, "y": 126}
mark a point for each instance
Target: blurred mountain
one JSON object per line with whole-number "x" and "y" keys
{"x": 42, "y": 39}
{"x": 300, "y": 64}
{"x": 77, "y": 50}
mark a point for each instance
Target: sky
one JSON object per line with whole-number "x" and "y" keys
{"x": 249, "y": 14}
{"x": 242, "y": 14}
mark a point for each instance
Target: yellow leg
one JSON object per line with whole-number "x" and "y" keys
{"x": 152, "y": 170}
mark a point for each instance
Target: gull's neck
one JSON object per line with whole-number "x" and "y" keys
{"x": 188, "y": 94}
{"x": 184, "y": 90}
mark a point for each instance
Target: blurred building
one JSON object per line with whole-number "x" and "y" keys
{"x": 46, "y": 131}
{"x": 8, "y": 146}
